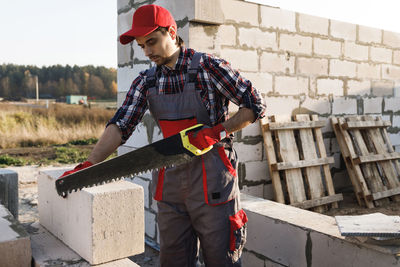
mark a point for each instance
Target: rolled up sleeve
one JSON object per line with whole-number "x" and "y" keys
{"x": 132, "y": 109}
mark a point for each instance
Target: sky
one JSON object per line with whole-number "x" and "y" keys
{"x": 84, "y": 32}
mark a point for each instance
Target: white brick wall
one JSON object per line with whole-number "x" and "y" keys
{"x": 312, "y": 66}
{"x": 390, "y": 72}
{"x": 320, "y": 105}
{"x": 344, "y": 106}
{"x": 239, "y": 11}
{"x": 256, "y": 170}
{"x": 355, "y": 51}
{"x": 295, "y": 43}
{"x": 200, "y": 40}
{"x": 226, "y": 35}
{"x": 261, "y": 80}
{"x": 343, "y": 30}
{"x": 382, "y": 88}
{"x": 358, "y": 88}
{"x": 392, "y": 104}
{"x": 244, "y": 60}
{"x": 391, "y": 39}
{"x": 325, "y": 47}
{"x": 396, "y": 121}
{"x": 281, "y": 105}
{"x": 255, "y": 38}
{"x": 247, "y": 152}
{"x": 368, "y": 71}
{"x": 313, "y": 24}
{"x": 369, "y": 35}
{"x": 396, "y": 57}
{"x": 373, "y": 105}
{"x": 276, "y": 63}
{"x": 380, "y": 54}
{"x": 330, "y": 86}
{"x": 277, "y": 18}
{"x": 342, "y": 68}
{"x": 285, "y": 85}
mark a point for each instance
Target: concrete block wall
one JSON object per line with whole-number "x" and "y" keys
{"x": 281, "y": 235}
{"x": 299, "y": 63}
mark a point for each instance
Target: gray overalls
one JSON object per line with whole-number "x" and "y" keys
{"x": 199, "y": 199}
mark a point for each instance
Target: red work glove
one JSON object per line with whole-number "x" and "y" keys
{"x": 79, "y": 167}
{"x": 207, "y": 136}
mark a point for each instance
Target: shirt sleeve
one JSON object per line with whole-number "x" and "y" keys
{"x": 230, "y": 83}
{"x": 132, "y": 109}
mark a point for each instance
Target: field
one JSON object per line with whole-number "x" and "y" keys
{"x": 58, "y": 134}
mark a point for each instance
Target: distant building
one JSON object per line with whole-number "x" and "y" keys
{"x": 77, "y": 99}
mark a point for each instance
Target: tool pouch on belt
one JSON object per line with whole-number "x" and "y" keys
{"x": 238, "y": 234}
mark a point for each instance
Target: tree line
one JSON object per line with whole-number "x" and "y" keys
{"x": 19, "y": 81}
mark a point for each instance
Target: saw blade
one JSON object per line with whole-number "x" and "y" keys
{"x": 164, "y": 153}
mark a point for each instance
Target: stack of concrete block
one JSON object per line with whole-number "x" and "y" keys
{"x": 9, "y": 191}
{"x": 15, "y": 245}
{"x": 101, "y": 224}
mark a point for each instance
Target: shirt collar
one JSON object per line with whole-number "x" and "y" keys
{"x": 181, "y": 62}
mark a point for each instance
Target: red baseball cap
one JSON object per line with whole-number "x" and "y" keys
{"x": 145, "y": 20}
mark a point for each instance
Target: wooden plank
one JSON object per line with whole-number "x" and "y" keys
{"x": 356, "y": 176}
{"x": 390, "y": 148}
{"x": 365, "y": 124}
{"x": 371, "y": 173}
{"x": 381, "y": 148}
{"x": 295, "y": 125}
{"x": 378, "y": 157}
{"x": 313, "y": 174}
{"x": 345, "y": 154}
{"x": 301, "y": 164}
{"x": 387, "y": 193}
{"x": 270, "y": 150}
{"x": 319, "y": 201}
{"x": 322, "y": 152}
{"x": 287, "y": 151}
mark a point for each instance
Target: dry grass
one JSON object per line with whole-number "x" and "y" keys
{"x": 23, "y": 126}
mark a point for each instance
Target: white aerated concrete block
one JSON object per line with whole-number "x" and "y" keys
{"x": 47, "y": 249}
{"x": 15, "y": 245}
{"x": 101, "y": 224}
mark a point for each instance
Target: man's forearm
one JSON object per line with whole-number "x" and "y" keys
{"x": 109, "y": 141}
{"x": 241, "y": 119}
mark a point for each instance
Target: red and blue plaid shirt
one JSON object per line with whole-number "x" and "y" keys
{"x": 217, "y": 82}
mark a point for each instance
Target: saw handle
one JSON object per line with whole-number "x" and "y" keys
{"x": 186, "y": 143}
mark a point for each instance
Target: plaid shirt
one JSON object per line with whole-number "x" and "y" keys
{"x": 217, "y": 82}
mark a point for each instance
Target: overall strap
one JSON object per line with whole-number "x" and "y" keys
{"x": 151, "y": 81}
{"x": 192, "y": 72}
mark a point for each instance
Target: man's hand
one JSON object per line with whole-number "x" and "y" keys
{"x": 79, "y": 167}
{"x": 207, "y": 136}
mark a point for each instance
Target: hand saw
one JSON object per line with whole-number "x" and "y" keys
{"x": 171, "y": 151}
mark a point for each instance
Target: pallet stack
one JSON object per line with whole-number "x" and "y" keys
{"x": 298, "y": 164}
{"x": 371, "y": 162}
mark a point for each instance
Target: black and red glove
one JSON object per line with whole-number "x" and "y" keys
{"x": 79, "y": 167}
{"x": 207, "y": 136}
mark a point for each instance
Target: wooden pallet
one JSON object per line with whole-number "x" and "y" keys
{"x": 371, "y": 162}
{"x": 297, "y": 159}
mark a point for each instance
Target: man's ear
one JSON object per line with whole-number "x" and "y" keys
{"x": 172, "y": 32}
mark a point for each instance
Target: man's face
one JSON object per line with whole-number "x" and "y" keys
{"x": 158, "y": 47}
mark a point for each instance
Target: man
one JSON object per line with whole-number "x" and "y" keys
{"x": 200, "y": 199}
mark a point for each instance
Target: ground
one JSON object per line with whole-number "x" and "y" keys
{"x": 28, "y": 212}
